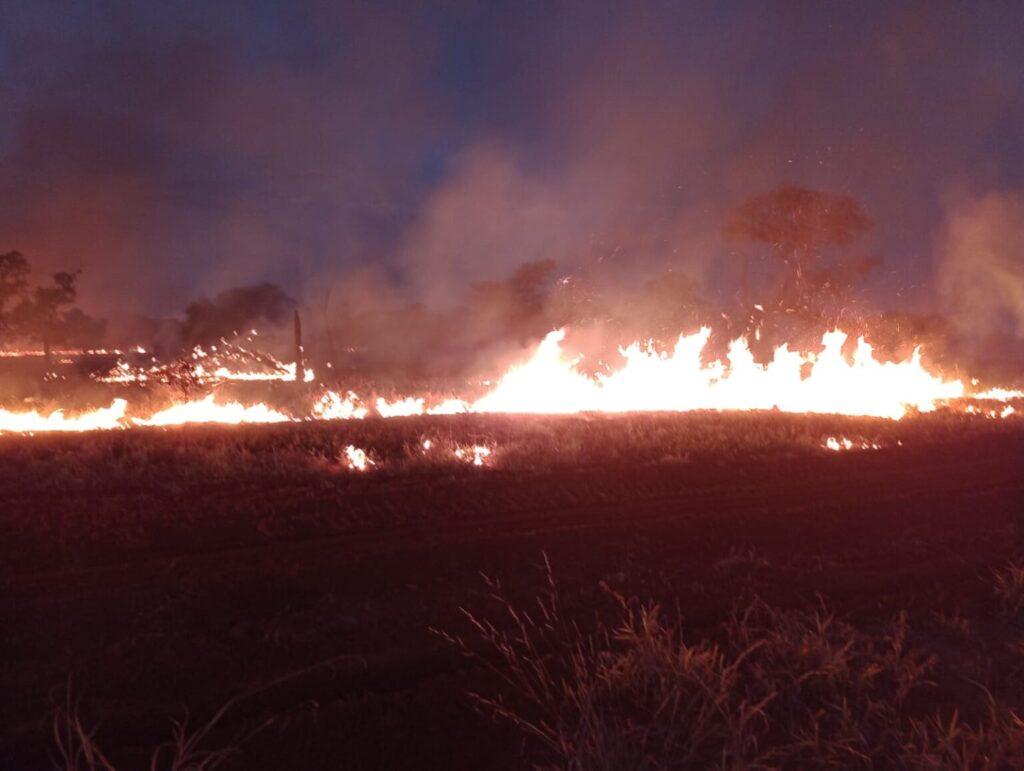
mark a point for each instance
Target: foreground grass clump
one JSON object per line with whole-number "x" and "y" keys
{"x": 770, "y": 688}
{"x": 1009, "y": 587}
{"x": 76, "y": 749}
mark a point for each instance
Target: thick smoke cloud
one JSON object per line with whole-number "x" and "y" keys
{"x": 176, "y": 149}
{"x": 982, "y": 272}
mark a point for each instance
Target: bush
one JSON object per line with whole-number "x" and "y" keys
{"x": 770, "y": 688}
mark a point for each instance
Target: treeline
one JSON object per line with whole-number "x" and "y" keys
{"x": 42, "y": 314}
{"x": 45, "y": 315}
{"x": 791, "y": 260}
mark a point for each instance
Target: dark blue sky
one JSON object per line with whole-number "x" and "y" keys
{"x": 173, "y": 149}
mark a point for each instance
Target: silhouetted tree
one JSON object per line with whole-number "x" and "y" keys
{"x": 807, "y": 232}
{"x": 233, "y": 311}
{"x": 13, "y": 284}
{"x": 42, "y": 315}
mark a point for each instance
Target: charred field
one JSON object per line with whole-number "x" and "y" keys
{"x": 430, "y": 612}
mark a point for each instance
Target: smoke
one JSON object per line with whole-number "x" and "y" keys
{"x": 174, "y": 152}
{"x": 620, "y": 155}
{"x": 594, "y": 167}
{"x": 982, "y": 268}
{"x": 367, "y": 155}
{"x": 486, "y": 215}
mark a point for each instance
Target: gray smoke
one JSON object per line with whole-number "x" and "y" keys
{"x": 982, "y": 265}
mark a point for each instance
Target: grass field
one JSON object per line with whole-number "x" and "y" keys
{"x": 814, "y": 607}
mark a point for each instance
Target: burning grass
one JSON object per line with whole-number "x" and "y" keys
{"x": 548, "y": 381}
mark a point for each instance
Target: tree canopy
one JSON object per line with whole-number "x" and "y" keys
{"x": 812, "y": 269}
{"x": 799, "y": 223}
{"x": 14, "y": 272}
{"x": 44, "y": 313}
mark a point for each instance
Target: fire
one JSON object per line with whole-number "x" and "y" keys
{"x": 449, "y": 407}
{"x": 358, "y": 460}
{"x": 229, "y": 362}
{"x": 221, "y": 374}
{"x": 679, "y": 382}
{"x": 842, "y": 443}
{"x": 999, "y": 394}
{"x": 477, "y": 455}
{"x": 990, "y": 412}
{"x": 208, "y": 411}
{"x": 550, "y": 382}
{"x": 416, "y": 406}
{"x": 332, "y": 406}
{"x": 67, "y": 353}
{"x": 30, "y": 422}
{"x": 399, "y": 408}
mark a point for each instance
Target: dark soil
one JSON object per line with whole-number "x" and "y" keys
{"x": 311, "y": 595}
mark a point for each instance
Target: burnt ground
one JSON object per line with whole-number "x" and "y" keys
{"x": 310, "y": 596}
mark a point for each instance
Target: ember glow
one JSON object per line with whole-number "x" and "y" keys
{"x": 550, "y": 382}
{"x": 332, "y": 406}
{"x": 228, "y": 362}
{"x": 839, "y": 443}
{"x": 357, "y": 459}
{"x": 477, "y": 455}
{"x": 474, "y": 455}
{"x": 285, "y": 372}
{"x": 66, "y": 353}
{"x": 990, "y": 412}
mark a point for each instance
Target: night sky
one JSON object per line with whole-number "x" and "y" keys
{"x": 176, "y": 149}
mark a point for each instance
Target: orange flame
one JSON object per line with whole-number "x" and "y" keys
{"x": 680, "y": 382}
{"x": 208, "y": 411}
{"x": 549, "y": 382}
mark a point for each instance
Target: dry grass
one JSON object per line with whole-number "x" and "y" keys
{"x": 953, "y": 623}
{"x": 1009, "y": 587}
{"x": 771, "y": 688}
{"x": 75, "y": 747}
{"x": 741, "y": 561}
{"x": 995, "y": 742}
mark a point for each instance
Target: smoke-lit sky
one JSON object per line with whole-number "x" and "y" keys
{"x": 173, "y": 149}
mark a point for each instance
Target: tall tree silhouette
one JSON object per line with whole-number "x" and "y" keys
{"x": 13, "y": 284}
{"x": 806, "y": 232}
{"x": 42, "y": 314}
